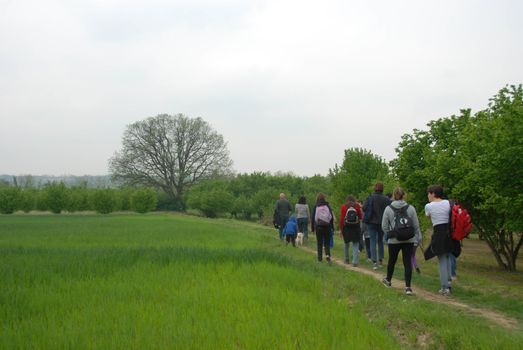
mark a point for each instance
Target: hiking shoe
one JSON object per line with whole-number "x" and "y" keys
{"x": 444, "y": 291}
{"x": 354, "y": 265}
{"x": 346, "y": 261}
{"x": 418, "y": 270}
{"x": 408, "y": 291}
{"x": 328, "y": 259}
{"x": 386, "y": 282}
{"x": 375, "y": 266}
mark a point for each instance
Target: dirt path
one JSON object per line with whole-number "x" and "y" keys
{"x": 493, "y": 316}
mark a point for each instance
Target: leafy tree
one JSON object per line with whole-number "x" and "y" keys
{"x": 55, "y": 196}
{"x": 78, "y": 200}
{"x": 28, "y": 199}
{"x": 477, "y": 160}
{"x": 263, "y": 202}
{"x": 490, "y": 174}
{"x": 144, "y": 200}
{"x": 360, "y": 168}
{"x": 104, "y": 200}
{"x": 211, "y": 198}
{"x": 170, "y": 153}
{"x": 243, "y": 207}
{"x": 10, "y": 198}
{"x": 429, "y": 157}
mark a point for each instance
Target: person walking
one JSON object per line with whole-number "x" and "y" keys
{"x": 283, "y": 208}
{"x": 291, "y": 231}
{"x": 322, "y": 222}
{"x": 438, "y": 210}
{"x": 400, "y": 216}
{"x": 374, "y": 207}
{"x": 350, "y": 231}
{"x": 302, "y": 216}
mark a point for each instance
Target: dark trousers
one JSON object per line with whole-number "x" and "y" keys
{"x": 291, "y": 238}
{"x": 367, "y": 247}
{"x": 406, "y": 252}
{"x": 323, "y": 240}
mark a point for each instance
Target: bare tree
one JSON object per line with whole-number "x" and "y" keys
{"x": 170, "y": 153}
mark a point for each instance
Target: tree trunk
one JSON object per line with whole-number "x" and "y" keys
{"x": 492, "y": 245}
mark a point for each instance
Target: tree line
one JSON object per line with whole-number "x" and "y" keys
{"x": 56, "y": 197}
{"x": 477, "y": 158}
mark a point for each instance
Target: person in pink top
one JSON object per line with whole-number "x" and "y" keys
{"x": 350, "y": 229}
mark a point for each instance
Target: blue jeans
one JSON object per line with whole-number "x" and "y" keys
{"x": 376, "y": 236}
{"x": 444, "y": 270}
{"x": 283, "y": 222}
{"x": 302, "y": 227}
{"x": 452, "y": 265}
{"x": 355, "y": 252}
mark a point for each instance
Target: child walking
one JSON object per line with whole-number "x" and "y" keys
{"x": 291, "y": 231}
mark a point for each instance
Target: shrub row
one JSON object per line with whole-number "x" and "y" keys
{"x": 56, "y": 197}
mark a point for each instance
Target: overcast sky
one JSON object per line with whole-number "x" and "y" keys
{"x": 289, "y": 84}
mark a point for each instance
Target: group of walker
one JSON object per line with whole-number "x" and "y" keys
{"x": 380, "y": 219}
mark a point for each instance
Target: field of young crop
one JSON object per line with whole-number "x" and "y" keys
{"x": 172, "y": 281}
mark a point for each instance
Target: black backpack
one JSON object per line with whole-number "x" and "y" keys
{"x": 403, "y": 229}
{"x": 351, "y": 217}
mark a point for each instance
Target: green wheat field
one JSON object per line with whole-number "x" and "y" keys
{"x": 165, "y": 281}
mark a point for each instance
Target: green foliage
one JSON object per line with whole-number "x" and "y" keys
{"x": 357, "y": 174}
{"x": 491, "y": 173}
{"x": 125, "y": 194}
{"x": 27, "y": 200}
{"x": 477, "y": 159}
{"x": 263, "y": 201}
{"x": 105, "y": 200}
{"x": 211, "y": 198}
{"x": 144, "y": 200}
{"x": 242, "y": 207}
{"x": 55, "y": 196}
{"x": 10, "y": 198}
{"x": 78, "y": 200}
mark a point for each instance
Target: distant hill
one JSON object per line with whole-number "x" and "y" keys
{"x": 38, "y": 181}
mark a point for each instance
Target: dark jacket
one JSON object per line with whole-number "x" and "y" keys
{"x": 440, "y": 242}
{"x": 350, "y": 234}
{"x": 379, "y": 203}
{"x": 313, "y": 216}
{"x": 283, "y": 207}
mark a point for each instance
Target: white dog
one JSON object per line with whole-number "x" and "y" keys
{"x": 299, "y": 239}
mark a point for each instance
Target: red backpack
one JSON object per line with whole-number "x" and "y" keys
{"x": 460, "y": 222}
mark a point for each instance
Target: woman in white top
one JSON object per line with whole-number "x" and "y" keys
{"x": 302, "y": 216}
{"x": 438, "y": 209}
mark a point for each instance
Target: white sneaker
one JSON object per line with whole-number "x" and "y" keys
{"x": 444, "y": 291}
{"x": 375, "y": 266}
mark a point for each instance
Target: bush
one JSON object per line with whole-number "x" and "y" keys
{"x": 243, "y": 208}
{"x": 56, "y": 196}
{"x": 210, "y": 201}
{"x": 78, "y": 200}
{"x": 104, "y": 200}
{"x": 10, "y": 198}
{"x": 125, "y": 198}
{"x": 28, "y": 200}
{"x": 144, "y": 200}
